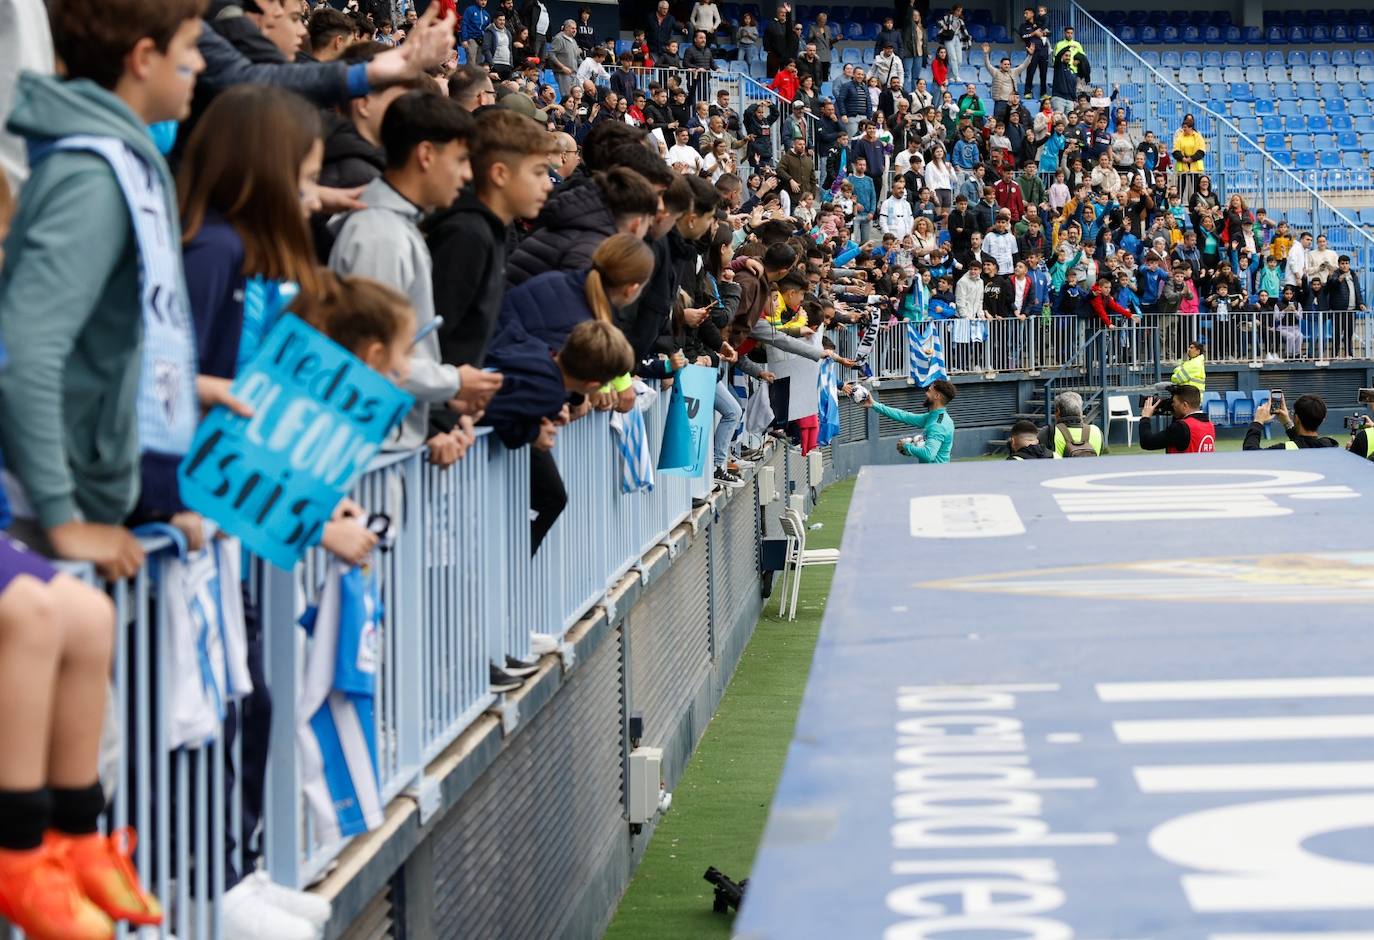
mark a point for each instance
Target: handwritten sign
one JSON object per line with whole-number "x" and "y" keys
{"x": 687, "y": 432}
{"x": 319, "y": 416}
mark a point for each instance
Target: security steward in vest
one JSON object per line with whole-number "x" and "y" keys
{"x": 1190, "y": 434}
{"x": 1068, "y": 436}
{"x": 1309, "y": 411}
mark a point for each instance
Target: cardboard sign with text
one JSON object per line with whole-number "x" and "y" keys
{"x": 319, "y": 416}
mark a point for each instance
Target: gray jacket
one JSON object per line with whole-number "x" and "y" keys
{"x": 383, "y": 242}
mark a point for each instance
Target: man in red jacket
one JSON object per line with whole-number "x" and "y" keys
{"x": 1009, "y": 197}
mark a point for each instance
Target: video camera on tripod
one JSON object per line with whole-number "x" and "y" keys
{"x": 728, "y": 894}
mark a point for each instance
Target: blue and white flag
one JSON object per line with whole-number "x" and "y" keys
{"x": 636, "y": 457}
{"x": 337, "y": 740}
{"x": 927, "y": 353}
{"x": 829, "y": 404}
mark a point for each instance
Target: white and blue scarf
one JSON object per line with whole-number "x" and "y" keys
{"x": 167, "y": 406}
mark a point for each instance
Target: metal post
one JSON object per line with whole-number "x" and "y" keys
{"x": 282, "y": 809}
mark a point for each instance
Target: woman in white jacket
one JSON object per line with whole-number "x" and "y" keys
{"x": 705, "y": 17}
{"x": 939, "y": 176}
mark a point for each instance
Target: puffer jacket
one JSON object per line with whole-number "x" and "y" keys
{"x": 852, "y": 100}
{"x": 572, "y": 225}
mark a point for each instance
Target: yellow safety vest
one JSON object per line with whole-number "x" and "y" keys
{"x": 1191, "y": 372}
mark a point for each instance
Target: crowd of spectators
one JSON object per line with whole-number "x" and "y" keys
{"x": 557, "y": 247}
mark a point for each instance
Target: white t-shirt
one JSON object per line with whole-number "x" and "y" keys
{"x": 686, "y": 155}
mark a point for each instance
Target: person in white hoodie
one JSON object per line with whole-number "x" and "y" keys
{"x": 895, "y": 217}
{"x": 887, "y": 64}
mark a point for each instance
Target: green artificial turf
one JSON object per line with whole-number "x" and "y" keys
{"x": 721, "y": 803}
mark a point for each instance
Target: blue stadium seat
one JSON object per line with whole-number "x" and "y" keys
{"x": 1220, "y": 18}
{"x": 1364, "y": 33}
{"x": 1231, "y": 35}
{"x": 1319, "y": 57}
{"x": 1278, "y": 74}
{"x": 1200, "y": 18}
{"x": 1275, "y": 36}
{"x": 1342, "y": 122}
{"x": 1328, "y": 90}
{"x": 1330, "y": 160}
{"x": 1366, "y": 74}
{"x": 1263, "y": 90}
{"x": 1251, "y": 36}
{"x": 1358, "y": 107}
{"x": 1215, "y": 408}
{"x": 1270, "y": 123}
{"x": 1305, "y": 160}
{"x": 1347, "y": 73}
{"x": 1368, "y": 89}
{"x": 1335, "y": 105}
{"x": 1241, "y": 92}
{"x": 1319, "y": 34}
{"x": 1211, "y": 59}
{"x": 1302, "y": 143}
{"x": 1352, "y": 160}
{"x": 1342, "y": 57}
{"x": 1255, "y": 73}
{"x": 1366, "y": 140}
{"x": 1240, "y": 408}
{"x": 1300, "y": 73}
{"x": 1215, "y": 76}
{"x": 1248, "y": 126}
{"x": 1169, "y": 34}
{"x": 851, "y": 56}
{"x": 1310, "y": 107}
{"x": 1295, "y": 57}
{"x": 1296, "y": 17}
{"x": 1351, "y": 91}
{"x": 1317, "y": 122}
{"x": 1211, "y": 34}
{"x": 854, "y": 32}
{"x": 1364, "y": 124}
{"x": 1149, "y": 36}
{"x": 1191, "y": 34}
{"x": 1366, "y": 216}
{"x": 1193, "y": 59}
{"x": 1304, "y": 91}
{"x": 1276, "y": 142}
{"x": 1263, "y": 106}
{"x": 1234, "y": 57}
{"x": 979, "y": 33}
{"x": 1284, "y": 158}
{"x": 1187, "y": 75}
{"x": 1364, "y": 57}
{"x": 1289, "y": 109}
{"x": 1128, "y": 35}
{"x": 1325, "y": 142}
{"x": 1299, "y": 217}
{"x": 1285, "y": 91}
{"x": 1273, "y": 57}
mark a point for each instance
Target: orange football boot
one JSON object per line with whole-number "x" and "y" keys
{"x": 41, "y": 896}
{"x": 104, "y": 869}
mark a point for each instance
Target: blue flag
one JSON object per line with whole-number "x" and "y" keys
{"x": 927, "y": 353}
{"x": 829, "y": 407}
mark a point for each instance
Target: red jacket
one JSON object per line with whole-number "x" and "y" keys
{"x": 1009, "y": 198}
{"x": 940, "y": 72}
{"x": 786, "y": 83}
{"x": 1102, "y": 303}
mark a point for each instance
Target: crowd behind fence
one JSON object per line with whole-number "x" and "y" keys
{"x": 1235, "y": 161}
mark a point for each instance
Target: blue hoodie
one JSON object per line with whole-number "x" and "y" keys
{"x": 475, "y": 21}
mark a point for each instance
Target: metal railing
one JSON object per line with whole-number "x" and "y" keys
{"x": 1256, "y": 338}
{"x": 980, "y": 347}
{"x": 1235, "y": 161}
{"x": 458, "y": 590}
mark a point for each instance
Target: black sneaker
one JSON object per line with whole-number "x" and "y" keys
{"x": 519, "y": 668}
{"x": 726, "y": 477}
{"x": 498, "y": 680}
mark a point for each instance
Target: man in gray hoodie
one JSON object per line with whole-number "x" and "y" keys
{"x": 426, "y": 141}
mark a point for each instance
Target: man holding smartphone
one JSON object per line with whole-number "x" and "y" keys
{"x": 1309, "y": 411}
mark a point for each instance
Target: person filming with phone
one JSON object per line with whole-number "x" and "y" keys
{"x": 1309, "y": 411}
{"x": 1362, "y": 428}
{"x": 1189, "y": 433}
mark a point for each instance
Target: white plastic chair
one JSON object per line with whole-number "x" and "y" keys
{"x": 798, "y": 556}
{"x": 1119, "y": 408}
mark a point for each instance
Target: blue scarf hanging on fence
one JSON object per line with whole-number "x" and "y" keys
{"x": 829, "y": 403}
{"x": 927, "y": 353}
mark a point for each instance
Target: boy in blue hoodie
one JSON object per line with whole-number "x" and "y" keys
{"x": 71, "y": 424}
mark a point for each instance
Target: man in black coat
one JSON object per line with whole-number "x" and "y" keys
{"x": 778, "y": 41}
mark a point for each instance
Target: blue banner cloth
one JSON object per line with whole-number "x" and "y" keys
{"x": 687, "y": 434}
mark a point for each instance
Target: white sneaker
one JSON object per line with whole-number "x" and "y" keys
{"x": 247, "y": 916}
{"x": 303, "y": 904}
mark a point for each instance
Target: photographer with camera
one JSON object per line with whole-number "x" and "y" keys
{"x": 1362, "y": 429}
{"x": 1190, "y": 434}
{"x": 1309, "y": 411}
{"x": 938, "y": 442}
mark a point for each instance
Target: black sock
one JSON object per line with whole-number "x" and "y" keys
{"x": 24, "y": 817}
{"x": 77, "y": 812}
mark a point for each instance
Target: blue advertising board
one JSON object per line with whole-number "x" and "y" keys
{"x": 1126, "y": 699}
{"x": 320, "y": 414}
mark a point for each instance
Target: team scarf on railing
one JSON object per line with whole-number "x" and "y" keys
{"x": 167, "y": 404}
{"x": 927, "y": 353}
{"x": 863, "y": 347}
{"x": 828, "y": 410}
{"x": 632, "y": 444}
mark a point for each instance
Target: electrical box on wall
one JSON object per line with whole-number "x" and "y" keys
{"x": 768, "y": 484}
{"x": 645, "y": 770}
{"x": 815, "y": 466}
